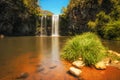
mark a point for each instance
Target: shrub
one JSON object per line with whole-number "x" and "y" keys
{"x": 112, "y": 30}
{"x": 91, "y": 25}
{"x": 88, "y": 46}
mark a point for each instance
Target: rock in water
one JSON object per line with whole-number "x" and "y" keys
{"x": 23, "y": 75}
{"x": 75, "y": 71}
{"x": 100, "y": 65}
{"x": 78, "y": 64}
{"x": 1, "y": 36}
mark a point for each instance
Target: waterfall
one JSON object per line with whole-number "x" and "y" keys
{"x": 43, "y": 26}
{"x": 55, "y": 25}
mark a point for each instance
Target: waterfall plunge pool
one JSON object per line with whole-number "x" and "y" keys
{"x": 37, "y": 56}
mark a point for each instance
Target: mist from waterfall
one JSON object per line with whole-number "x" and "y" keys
{"x": 55, "y": 25}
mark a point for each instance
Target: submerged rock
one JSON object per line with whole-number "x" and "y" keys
{"x": 52, "y": 67}
{"x": 75, "y": 71}
{"x": 100, "y": 65}
{"x": 40, "y": 69}
{"x": 78, "y": 64}
{"x": 1, "y": 36}
{"x": 23, "y": 75}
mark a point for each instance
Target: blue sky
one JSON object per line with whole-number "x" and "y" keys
{"x": 54, "y": 6}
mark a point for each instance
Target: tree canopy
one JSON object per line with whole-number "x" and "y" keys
{"x": 91, "y": 15}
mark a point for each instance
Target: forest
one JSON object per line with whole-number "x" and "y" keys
{"x": 99, "y": 16}
{"x": 21, "y": 18}
{"x": 18, "y": 17}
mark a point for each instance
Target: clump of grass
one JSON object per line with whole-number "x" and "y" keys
{"x": 88, "y": 46}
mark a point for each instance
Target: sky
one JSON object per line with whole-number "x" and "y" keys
{"x": 54, "y": 6}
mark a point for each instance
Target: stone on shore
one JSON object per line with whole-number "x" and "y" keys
{"x": 78, "y": 64}
{"x": 75, "y": 71}
{"x": 115, "y": 61}
{"x": 107, "y": 61}
{"x": 113, "y": 52}
{"x": 100, "y": 65}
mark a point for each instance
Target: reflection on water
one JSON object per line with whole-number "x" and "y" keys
{"x": 55, "y": 48}
{"x": 38, "y": 56}
{"x": 113, "y": 45}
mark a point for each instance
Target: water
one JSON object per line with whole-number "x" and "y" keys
{"x": 43, "y": 26}
{"x": 55, "y": 25}
{"x": 112, "y": 45}
{"x": 38, "y": 56}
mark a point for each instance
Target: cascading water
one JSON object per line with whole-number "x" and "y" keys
{"x": 55, "y": 25}
{"x": 43, "y": 26}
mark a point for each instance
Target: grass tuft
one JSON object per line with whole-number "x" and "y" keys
{"x": 88, "y": 46}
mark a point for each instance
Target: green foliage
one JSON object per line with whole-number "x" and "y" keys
{"x": 63, "y": 25}
{"x": 88, "y": 46}
{"x": 18, "y": 17}
{"x": 107, "y": 20}
{"x": 32, "y": 6}
{"x": 92, "y": 25}
{"x": 78, "y": 13}
{"x": 102, "y": 18}
{"x": 115, "y": 13}
{"x": 94, "y": 14}
{"x": 112, "y": 30}
{"x": 98, "y": 25}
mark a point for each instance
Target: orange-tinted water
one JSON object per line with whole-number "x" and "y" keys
{"x": 39, "y": 57}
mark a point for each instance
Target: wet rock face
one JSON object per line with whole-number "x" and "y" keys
{"x": 14, "y": 18}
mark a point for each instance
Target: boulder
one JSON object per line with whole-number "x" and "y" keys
{"x": 115, "y": 61}
{"x": 107, "y": 61}
{"x": 75, "y": 71}
{"x": 78, "y": 64}
{"x": 100, "y": 65}
{"x": 113, "y": 52}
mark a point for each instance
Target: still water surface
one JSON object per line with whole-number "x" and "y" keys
{"x": 39, "y": 57}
